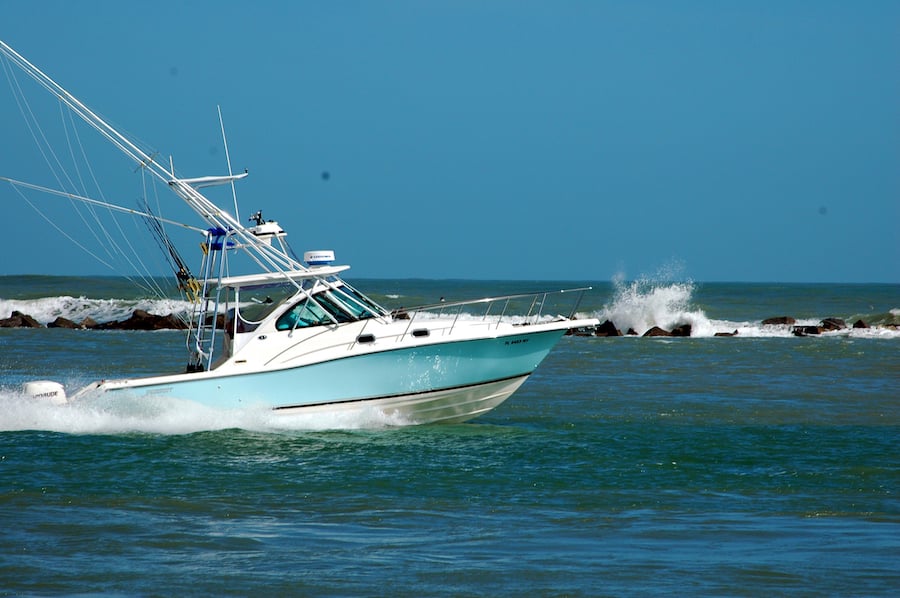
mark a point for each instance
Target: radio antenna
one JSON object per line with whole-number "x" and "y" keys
{"x": 228, "y": 160}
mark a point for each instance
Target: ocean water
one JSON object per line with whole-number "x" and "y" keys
{"x": 762, "y": 463}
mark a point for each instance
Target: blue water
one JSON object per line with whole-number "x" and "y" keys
{"x": 757, "y": 464}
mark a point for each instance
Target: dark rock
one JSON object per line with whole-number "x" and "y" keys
{"x": 657, "y": 331}
{"x": 735, "y": 333}
{"x": 89, "y": 323}
{"x": 780, "y": 321}
{"x": 19, "y": 320}
{"x": 860, "y": 324}
{"x": 683, "y": 330}
{"x": 806, "y": 330}
{"x": 61, "y": 322}
{"x": 172, "y": 322}
{"x": 833, "y": 324}
{"x": 142, "y": 320}
{"x": 580, "y": 332}
{"x": 631, "y": 332}
{"x": 220, "y": 320}
{"x": 607, "y": 328}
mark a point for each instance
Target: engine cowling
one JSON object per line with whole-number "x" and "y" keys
{"x": 46, "y": 390}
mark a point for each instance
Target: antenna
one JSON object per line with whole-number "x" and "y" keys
{"x": 228, "y": 160}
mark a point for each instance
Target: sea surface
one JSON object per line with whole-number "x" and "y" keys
{"x": 757, "y": 464}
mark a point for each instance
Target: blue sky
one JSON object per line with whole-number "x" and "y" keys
{"x": 740, "y": 141}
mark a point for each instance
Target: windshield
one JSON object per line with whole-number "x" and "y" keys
{"x": 331, "y": 301}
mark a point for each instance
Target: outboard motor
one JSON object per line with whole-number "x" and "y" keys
{"x": 46, "y": 390}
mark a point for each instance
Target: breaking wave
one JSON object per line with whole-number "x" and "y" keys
{"x": 47, "y": 309}
{"x": 642, "y": 304}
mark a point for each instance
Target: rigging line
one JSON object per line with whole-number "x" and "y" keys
{"x": 42, "y": 143}
{"x": 143, "y": 271}
{"x": 87, "y": 165}
{"x": 159, "y": 224}
{"x": 58, "y": 173}
{"x": 228, "y": 160}
{"x": 184, "y": 286}
{"x": 150, "y": 284}
{"x": 155, "y": 186}
{"x": 154, "y": 221}
{"x": 124, "y": 144}
{"x": 64, "y": 233}
{"x": 111, "y": 206}
{"x": 83, "y": 188}
{"x": 65, "y": 128}
{"x": 31, "y": 122}
{"x": 73, "y": 240}
{"x": 153, "y": 226}
{"x": 203, "y": 206}
{"x": 145, "y": 180}
{"x": 169, "y": 251}
{"x": 138, "y": 265}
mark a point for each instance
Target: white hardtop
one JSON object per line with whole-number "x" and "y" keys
{"x": 265, "y": 278}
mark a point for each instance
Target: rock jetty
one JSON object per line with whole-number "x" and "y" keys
{"x": 142, "y": 320}
{"x": 139, "y": 320}
{"x": 608, "y": 328}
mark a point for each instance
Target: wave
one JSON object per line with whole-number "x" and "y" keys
{"x": 47, "y": 309}
{"x": 643, "y": 304}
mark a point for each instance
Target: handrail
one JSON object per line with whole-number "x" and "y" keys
{"x": 538, "y": 300}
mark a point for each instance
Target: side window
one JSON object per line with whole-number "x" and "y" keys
{"x": 303, "y": 314}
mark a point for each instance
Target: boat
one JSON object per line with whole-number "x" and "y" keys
{"x": 267, "y": 328}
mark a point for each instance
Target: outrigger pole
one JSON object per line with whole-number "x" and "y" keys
{"x": 267, "y": 257}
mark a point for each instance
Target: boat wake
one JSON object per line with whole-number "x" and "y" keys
{"x": 162, "y": 415}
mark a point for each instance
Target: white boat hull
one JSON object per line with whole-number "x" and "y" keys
{"x": 433, "y": 382}
{"x": 449, "y": 406}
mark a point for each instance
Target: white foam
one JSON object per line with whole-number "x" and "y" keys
{"x": 643, "y": 304}
{"x": 47, "y": 309}
{"x": 161, "y": 415}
